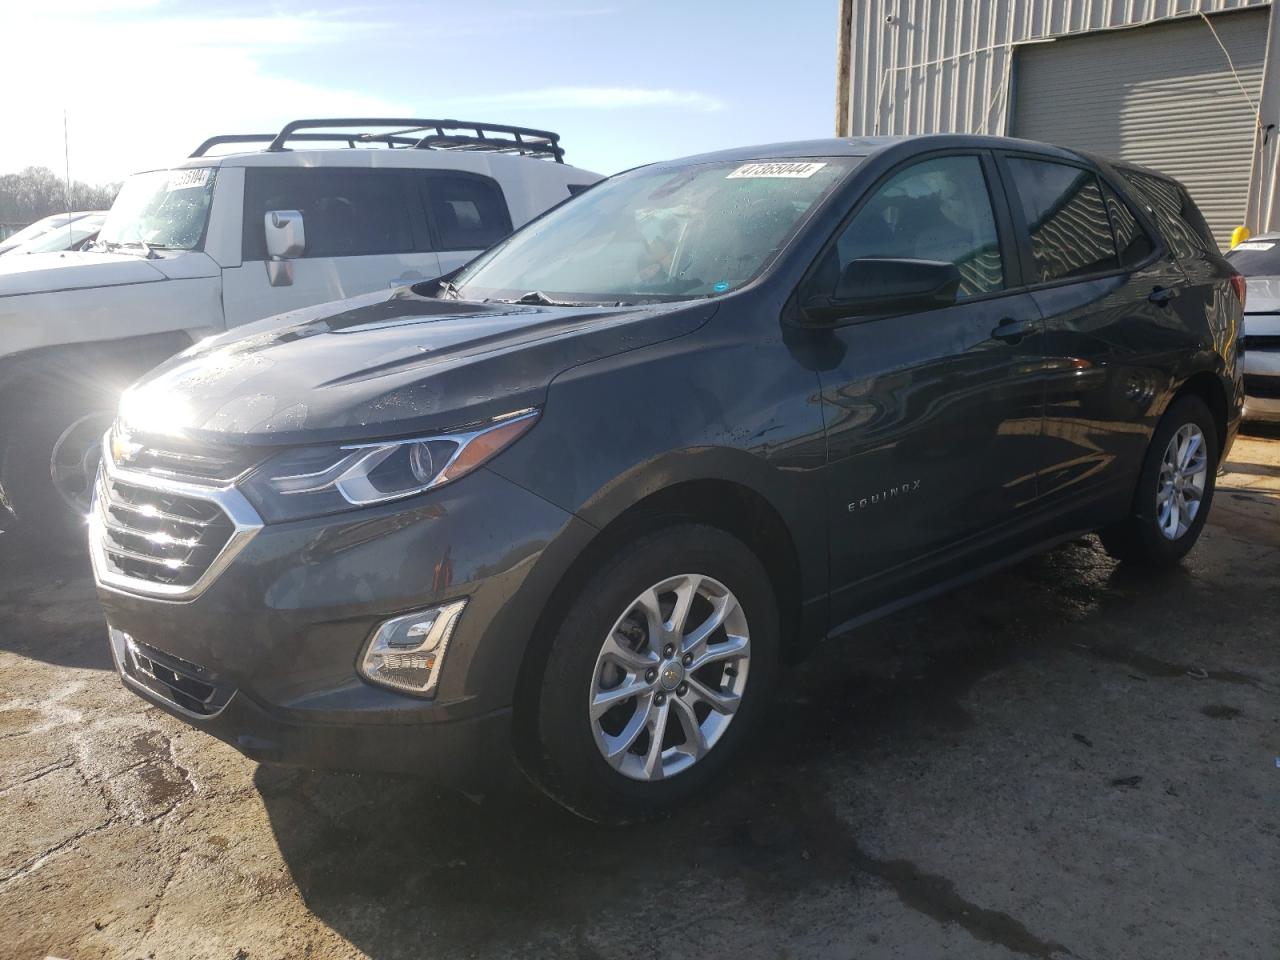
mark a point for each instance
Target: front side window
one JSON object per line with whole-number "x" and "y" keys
{"x": 345, "y": 212}
{"x": 658, "y": 233}
{"x": 1064, "y": 212}
{"x": 934, "y": 210}
{"x": 470, "y": 213}
{"x": 163, "y": 209}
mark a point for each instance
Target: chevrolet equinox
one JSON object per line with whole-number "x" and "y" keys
{"x": 575, "y": 504}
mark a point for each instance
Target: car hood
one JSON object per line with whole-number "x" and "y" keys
{"x": 1262, "y": 295}
{"x": 75, "y": 270}
{"x": 390, "y": 363}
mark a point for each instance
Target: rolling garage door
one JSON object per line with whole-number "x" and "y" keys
{"x": 1160, "y": 95}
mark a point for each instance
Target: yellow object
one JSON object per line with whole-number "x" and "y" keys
{"x": 1238, "y": 236}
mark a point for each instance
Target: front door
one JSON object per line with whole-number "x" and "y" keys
{"x": 365, "y": 231}
{"x": 933, "y": 418}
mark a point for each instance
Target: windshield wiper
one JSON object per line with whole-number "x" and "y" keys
{"x": 148, "y": 253}
{"x": 446, "y": 290}
{"x": 542, "y": 300}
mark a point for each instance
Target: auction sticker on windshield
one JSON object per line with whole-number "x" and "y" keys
{"x": 784, "y": 169}
{"x": 192, "y": 177}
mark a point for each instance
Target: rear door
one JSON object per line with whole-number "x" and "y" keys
{"x": 467, "y": 213}
{"x": 932, "y": 417}
{"x": 365, "y": 231}
{"x": 1109, "y": 292}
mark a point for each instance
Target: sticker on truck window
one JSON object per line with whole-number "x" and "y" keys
{"x": 783, "y": 169}
{"x": 1253, "y": 245}
{"x": 193, "y": 177}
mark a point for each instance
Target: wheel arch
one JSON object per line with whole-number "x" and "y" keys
{"x": 1208, "y": 387}
{"x": 734, "y": 507}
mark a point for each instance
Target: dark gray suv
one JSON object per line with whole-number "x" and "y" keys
{"x": 575, "y": 505}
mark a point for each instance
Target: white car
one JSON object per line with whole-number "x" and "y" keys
{"x": 43, "y": 229}
{"x": 76, "y": 234}
{"x": 1259, "y": 260}
{"x": 219, "y": 241}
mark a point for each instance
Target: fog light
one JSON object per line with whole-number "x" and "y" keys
{"x": 406, "y": 653}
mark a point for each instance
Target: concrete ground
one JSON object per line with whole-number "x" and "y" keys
{"x": 1064, "y": 760}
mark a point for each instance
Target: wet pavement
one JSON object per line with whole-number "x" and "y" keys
{"x": 1064, "y": 760}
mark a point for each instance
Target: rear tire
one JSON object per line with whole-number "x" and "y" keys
{"x": 1175, "y": 489}
{"x": 700, "y": 682}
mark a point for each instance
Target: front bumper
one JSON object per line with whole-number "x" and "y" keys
{"x": 1262, "y": 408}
{"x": 280, "y": 630}
{"x": 471, "y": 754}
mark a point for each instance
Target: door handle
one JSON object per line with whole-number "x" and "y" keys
{"x": 1161, "y": 296}
{"x": 1011, "y": 330}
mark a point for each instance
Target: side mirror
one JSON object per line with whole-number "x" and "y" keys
{"x": 286, "y": 240}
{"x": 885, "y": 285}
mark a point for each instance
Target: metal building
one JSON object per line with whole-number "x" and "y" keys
{"x": 1174, "y": 84}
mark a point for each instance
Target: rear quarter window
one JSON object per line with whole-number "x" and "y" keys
{"x": 1180, "y": 220}
{"x": 469, "y": 211}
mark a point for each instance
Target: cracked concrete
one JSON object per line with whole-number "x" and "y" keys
{"x": 1065, "y": 760}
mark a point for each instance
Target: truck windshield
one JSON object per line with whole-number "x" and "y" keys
{"x": 166, "y": 209}
{"x": 657, "y": 233}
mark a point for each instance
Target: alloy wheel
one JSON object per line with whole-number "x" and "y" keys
{"x": 1180, "y": 487}
{"x": 669, "y": 677}
{"x": 73, "y": 465}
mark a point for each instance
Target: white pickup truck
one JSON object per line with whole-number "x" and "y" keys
{"x": 321, "y": 213}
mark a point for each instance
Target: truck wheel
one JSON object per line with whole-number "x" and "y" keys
{"x": 1175, "y": 489}
{"x": 50, "y": 457}
{"x": 657, "y": 674}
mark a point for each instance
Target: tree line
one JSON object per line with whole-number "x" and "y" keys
{"x": 37, "y": 192}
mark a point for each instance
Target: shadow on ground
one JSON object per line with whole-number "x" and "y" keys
{"x": 380, "y": 862}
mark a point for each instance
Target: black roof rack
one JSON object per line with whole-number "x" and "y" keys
{"x": 409, "y": 134}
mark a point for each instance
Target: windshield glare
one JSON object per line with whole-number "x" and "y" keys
{"x": 658, "y": 233}
{"x": 163, "y": 208}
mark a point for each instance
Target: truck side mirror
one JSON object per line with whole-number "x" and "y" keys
{"x": 286, "y": 240}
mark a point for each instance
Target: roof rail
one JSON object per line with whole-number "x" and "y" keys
{"x": 409, "y": 133}
{"x": 350, "y": 140}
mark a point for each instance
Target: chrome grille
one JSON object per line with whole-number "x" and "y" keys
{"x": 151, "y": 534}
{"x": 183, "y": 460}
{"x": 159, "y": 537}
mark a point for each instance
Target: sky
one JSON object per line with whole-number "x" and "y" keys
{"x": 623, "y": 81}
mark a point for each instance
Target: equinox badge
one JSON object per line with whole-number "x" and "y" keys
{"x": 911, "y": 486}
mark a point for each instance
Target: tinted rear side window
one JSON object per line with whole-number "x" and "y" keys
{"x": 1179, "y": 218}
{"x": 469, "y": 212}
{"x": 1131, "y": 238}
{"x": 345, "y": 212}
{"x": 1257, "y": 258}
{"x": 1066, "y": 217}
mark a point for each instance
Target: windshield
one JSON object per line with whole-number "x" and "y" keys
{"x": 1257, "y": 258}
{"x": 657, "y": 234}
{"x": 164, "y": 208}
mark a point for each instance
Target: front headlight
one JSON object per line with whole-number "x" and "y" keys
{"x": 314, "y": 481}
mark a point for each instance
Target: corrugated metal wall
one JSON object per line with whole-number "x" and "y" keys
{"x": 1183, "y": 114}
{"x": 936, "y": 66}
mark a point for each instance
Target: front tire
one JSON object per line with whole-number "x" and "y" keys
{"x": 656, "y": 675}
{"x": 52, "y": 446}
{"x": 1175, "y": 489}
